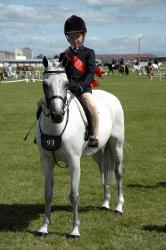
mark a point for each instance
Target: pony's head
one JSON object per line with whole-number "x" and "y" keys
{"x": 55, "y": 84}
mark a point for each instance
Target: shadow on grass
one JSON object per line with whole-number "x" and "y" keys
{"x": 16, "y": 217}
{"x": 157, "y": 185}
{"x": 156, "y": 228}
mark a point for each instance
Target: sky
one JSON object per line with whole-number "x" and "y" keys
{"x": 114, "y": 26}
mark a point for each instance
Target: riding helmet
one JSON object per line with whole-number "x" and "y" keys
{"x": 74, "y": 24}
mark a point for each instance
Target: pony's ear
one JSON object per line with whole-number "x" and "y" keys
{"x": 45, "y": 62}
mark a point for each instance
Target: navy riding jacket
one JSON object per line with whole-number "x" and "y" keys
{"x": 87, "y": 56}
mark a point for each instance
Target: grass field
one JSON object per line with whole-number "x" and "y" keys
{"x": 143, "y": 224}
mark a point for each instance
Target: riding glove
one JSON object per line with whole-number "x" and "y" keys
{"x": 76, "y": 88}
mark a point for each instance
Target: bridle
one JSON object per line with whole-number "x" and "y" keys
{"x": 52, "y": 142}
{"x": 64, "y": 99}
{"x": 51, "y": 139}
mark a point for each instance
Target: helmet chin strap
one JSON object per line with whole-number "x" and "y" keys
{"x": 67, "y": 37}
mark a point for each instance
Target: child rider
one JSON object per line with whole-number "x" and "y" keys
{"x": 81, "y": 74}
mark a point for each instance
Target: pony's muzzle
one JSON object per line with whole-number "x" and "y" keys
{"x": 56, "y": 117}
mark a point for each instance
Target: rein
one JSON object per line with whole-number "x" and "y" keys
{"x": 53, "y": 142}
{"x": 52, "y": 136}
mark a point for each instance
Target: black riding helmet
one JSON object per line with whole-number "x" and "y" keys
{"x": 74, "y": 24}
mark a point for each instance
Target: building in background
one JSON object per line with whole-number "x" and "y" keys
{"x": 7, "y": 55}
{"x": 24, "y": 53}
{"x": 21, "y": 56}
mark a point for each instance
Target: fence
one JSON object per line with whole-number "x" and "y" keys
{"x": 159, "y": 74}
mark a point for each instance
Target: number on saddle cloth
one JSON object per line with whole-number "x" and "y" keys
{"x": 50, "y": 143}
{"x": 88, "y": 131}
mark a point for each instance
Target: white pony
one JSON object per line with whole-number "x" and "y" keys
{"x": 156, "y": 66}
{"x": 60, "y": 136}
{"x": 136, "y": 68}
{"x": 139, "y": 69}
{"x": 10, "y": 72}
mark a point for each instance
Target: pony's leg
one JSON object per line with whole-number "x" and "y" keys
{"x": 74, "y": 165}
{"x": 118, "y": 156}
{"x": 107, "y": 197}
{"x": 47, "y": 165}
{"x": 101, "y": 158}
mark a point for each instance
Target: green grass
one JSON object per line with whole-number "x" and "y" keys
{"x": 143, "y": 224}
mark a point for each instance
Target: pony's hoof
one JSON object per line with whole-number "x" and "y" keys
{"x": 74, "y": 237}
{"x": 118, "y": 212}
{"x": 75, "y": 233}
{"x": 106, "y": 205}
{"x": 40, "y": 234}
{"x": 105, "y": 208}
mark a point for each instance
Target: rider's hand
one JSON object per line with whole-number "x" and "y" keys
{"x": 75, "y": 88}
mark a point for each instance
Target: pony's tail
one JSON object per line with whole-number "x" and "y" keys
{"x": 107, "y": 166}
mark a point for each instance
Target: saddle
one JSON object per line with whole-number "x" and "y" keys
{"x": 88, "y": 131}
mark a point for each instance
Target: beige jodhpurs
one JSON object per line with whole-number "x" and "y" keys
{"x": 89, "y": 99}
